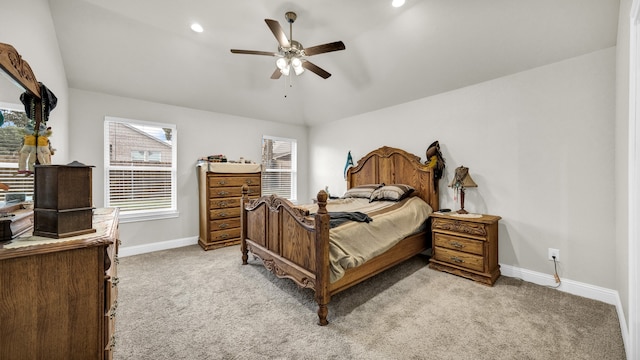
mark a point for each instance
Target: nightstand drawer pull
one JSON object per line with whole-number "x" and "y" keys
{"x": 456, "y": 259}
{"x": 456, "y": 244}
{"x": 221, "y": 182}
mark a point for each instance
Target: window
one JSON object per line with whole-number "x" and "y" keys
{"x": 11, "y": 135}
{"x": 140, "y": 168}
{"x": 279, "y": 159}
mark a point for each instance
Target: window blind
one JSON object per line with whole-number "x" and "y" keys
{"x": 11, "y": 136}
{"x": 279, "y": 167}
{"x": 140, "y": 166}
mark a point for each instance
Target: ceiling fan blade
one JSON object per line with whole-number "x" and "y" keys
{"x": 324, "y": 48}
{"x": 316, "y": 69}
{"x": 277, "y": 31}
{"x": 276, "y": 74}
{"x": 254, "y": 52}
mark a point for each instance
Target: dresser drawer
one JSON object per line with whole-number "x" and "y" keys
{"x": 459, "y": 226}
{"x": 458, "y": 258}
{"x": 458, "y": 243}
{"x": 224, "y": 213}
{"x": 222, "y": 235}
{"x": 224, "y": 203}
{"x": 224, "y": 224}
{"x": 235, "y": 181}
{"x": 232, "y": 191}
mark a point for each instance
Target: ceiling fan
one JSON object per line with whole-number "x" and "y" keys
{"x": 291, "y": 54}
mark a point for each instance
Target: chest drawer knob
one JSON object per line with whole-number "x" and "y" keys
{"x": 223, "y": 204}
{"x": 115, "y": 281}
{"x": 456, "y": 259}
{"x": 223, "y": 193}
{"x": 223, "y": 226}
{"x": 249, "y": 181}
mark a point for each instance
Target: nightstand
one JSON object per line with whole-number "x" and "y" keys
{"x": 466, "y": 245}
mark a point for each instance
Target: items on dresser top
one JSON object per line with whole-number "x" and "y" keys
{"x": 466, "y": 245}
{"x": 15, "y": 220}
{"x": 220, "y": 187}
{"x": 63, "y": 204}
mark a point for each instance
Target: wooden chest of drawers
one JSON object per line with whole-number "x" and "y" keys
{"x": 466, "y": 246}
{"x": 220, "y": 195}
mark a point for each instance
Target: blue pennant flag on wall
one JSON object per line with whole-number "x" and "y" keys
{"x": 348, "y": 164}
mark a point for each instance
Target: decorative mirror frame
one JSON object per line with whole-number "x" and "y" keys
{"x": 19, "y": 71}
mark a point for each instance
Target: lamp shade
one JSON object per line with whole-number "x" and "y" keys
{"x": 462, "y": 178}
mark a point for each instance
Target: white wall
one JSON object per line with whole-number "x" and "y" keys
{"x": 28, "y": 26}
{"x": 200, "y": 133}
{"x": 539, "y": 144}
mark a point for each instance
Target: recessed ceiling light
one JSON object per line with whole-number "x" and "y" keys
{"x": 197, "y": 27}
{"x": 397, "y": 3}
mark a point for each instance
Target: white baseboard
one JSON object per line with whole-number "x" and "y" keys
{"x": 589, "y": 291}
{"x": 164, "y": 245}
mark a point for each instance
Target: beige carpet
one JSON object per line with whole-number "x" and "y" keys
{"x": 190, "y": 304}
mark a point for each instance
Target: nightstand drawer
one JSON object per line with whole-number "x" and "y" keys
{"x": 460, "y": 226}
{"x": 458, "y": 258}
{"x": 459, "y": 243}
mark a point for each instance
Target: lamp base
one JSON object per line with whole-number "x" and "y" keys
{"x": 462, "y": 211}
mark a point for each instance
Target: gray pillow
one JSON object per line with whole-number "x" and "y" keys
{"x": 394, "y": 192}
{"x": 361, "y": 191}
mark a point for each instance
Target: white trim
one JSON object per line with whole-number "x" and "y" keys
{"x": 589, "y": 291}
{"x": 125, "y": 251}
{"x": 147, "y": 216}
{"x": 11, "y": 106}
{"x": 633, "y": 350}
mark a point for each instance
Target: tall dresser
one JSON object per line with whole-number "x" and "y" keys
{"x": 220, "y": 187}
{"x": 58, "y": 297}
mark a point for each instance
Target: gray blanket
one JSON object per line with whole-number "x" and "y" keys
{"x": 340, "y": 217}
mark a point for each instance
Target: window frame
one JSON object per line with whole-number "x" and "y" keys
{"x": 294, "y": 165}
{"x": 142, "y": 215}
{"x": 28, "y": 194}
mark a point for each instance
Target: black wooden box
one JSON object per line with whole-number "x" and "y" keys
{"x": 63, "y": 204}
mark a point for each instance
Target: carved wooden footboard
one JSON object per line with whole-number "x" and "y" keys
{"x": 293, "y": 245}
{"x": 288, "y": 243}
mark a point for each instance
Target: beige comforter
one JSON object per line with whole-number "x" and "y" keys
{"x": 353, "y": 243}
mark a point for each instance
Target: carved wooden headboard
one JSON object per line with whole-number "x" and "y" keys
{"x": 395, "y": 166}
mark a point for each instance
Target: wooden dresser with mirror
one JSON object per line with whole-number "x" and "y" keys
{"x": 58, "y": 297}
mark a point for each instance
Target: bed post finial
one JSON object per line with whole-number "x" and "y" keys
{"x": 322, "y": 258}
{"x": 243, "y": 224}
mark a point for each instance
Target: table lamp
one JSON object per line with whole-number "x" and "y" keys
{"x": 462, "y": 180}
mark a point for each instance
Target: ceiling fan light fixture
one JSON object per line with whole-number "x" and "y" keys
{"x": 297, "y": 65}
{"x": 197, "y": 27}
{"x": 282, "y": 63}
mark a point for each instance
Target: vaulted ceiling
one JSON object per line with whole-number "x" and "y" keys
{"x": 144, "y": 49}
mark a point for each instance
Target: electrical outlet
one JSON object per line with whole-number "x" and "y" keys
{"x": 554, "y": 252}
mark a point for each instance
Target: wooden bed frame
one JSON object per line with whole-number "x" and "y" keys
{"x": 295, "y": 247}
